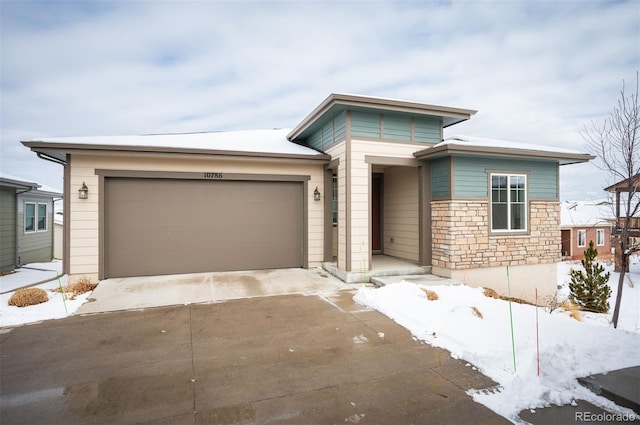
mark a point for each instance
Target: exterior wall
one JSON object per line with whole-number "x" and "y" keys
{"x": 360, "y": 193}
{"x": 400, "y": 213}
{"x": 84, "y": 213}
{"x": 470, "y": 176}
{"x": 462, "y": 244}
{"x": 34, "y": 247}
{"x": 339, "y": 152}
{"x": 395, "y": 126}
{"x": 330, "y": 134}
{"x": 7, "y": 229}
{"x": 440, "y": 178}
{"x": 576, "y": 252}
{"x": 58, "y": 235}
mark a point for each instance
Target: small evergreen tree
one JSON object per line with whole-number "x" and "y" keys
{"x": 589, "y": 287}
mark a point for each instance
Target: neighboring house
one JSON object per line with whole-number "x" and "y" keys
{"x": 625, "y": 190}
{"x": 358, "y": 177}
{"x": 26, "y": 222}
{"x": 585, "y": 221}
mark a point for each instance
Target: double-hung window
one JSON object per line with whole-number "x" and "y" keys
{"x": 508, "y": 202}
{"x": 35, "y": 217}
{"x": 600, "y": 237}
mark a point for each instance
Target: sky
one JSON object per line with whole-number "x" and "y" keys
{"x": 536, "y": 71}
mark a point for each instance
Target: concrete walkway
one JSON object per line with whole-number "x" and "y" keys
{"x": 157, "y": 291}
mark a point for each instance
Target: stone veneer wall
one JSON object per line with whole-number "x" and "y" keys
{"x": 461, "y": 237}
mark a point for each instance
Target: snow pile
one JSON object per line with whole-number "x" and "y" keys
{"x": 568, "y": 349}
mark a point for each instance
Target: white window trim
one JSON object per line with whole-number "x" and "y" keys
{"x": 598, "y": 233}
{"x": 526, "y": 203}
{"x": 36, "y": 217}
{"x": 584, "y": 242}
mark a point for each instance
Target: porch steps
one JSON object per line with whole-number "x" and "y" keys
{"x": 421, "y": 279}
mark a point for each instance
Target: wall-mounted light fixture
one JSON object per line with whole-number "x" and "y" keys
{"x": 83, "y": 192}
{"x": 316, "y": 194}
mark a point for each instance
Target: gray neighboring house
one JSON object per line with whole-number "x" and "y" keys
{"x": 26, "y": 222}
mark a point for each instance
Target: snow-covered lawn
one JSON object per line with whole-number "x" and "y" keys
{"x": 568, "y": 349}
{"x": 57, "y": 307}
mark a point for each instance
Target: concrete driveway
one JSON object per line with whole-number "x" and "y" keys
{"x": 291, "y": 359}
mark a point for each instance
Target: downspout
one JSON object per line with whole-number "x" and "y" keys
{"x": 65, "y": 259}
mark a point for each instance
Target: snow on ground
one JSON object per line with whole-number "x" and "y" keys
{"x": 55, "y": 308}
{"x": 569, "y": 349}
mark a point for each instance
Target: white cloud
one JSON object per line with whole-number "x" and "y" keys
{"x": 536, "y": 71}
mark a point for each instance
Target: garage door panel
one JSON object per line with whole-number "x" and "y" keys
{"x": 158, "y": 226}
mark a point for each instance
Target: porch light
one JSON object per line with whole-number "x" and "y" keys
{"x": 83, "y": 192}
{"x": 316, "y": 194}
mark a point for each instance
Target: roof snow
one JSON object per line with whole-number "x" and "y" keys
{"x": 462, "y": 140}
{"x": 586, "y": 213}
{"x": 259, "y": 141}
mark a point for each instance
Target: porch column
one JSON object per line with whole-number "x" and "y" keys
{"x": 424, "y": 211}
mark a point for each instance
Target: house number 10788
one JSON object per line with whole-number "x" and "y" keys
{"x": 213, "y": 175}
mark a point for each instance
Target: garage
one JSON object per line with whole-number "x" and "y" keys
{"x": 156, "y": 226}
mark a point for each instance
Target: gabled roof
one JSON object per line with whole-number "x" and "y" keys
{"x": 471, "y": 145}
{"x": 336, "y": 103}
{"x": 264, "y": 143}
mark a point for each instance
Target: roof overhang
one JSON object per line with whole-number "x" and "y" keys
{"x": 624, "y": 186}
{"x": 335, "y": 103}
{"x": 18, "y": 184}
{"x": 563, "y": 158}
{"x": 61, "y": 150}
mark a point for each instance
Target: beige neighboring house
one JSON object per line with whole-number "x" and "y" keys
{"x": 360, "y": 179}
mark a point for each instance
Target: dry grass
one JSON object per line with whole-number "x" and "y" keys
{"x": 573, "y": 309}
{"x": 431, "y": 296}
{"x": 80, "y": 286}
{"x": 488, "y": 292}
{"x": 28, "y": 296}
{"x": 476, "y": 312}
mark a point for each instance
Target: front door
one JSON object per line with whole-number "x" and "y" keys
{"x": 376, "y": 213}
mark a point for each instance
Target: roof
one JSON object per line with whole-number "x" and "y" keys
{"x": 27, "y": 186}
{"x": 471, "y": 145}
{"x": 623, "y": 186}
{"x": 272, "y": 143}
{"x": 17, "y": 182}
{"x": 335, "y": 103}
{"x": 586, "y": 213}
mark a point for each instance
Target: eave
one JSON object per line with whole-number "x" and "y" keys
{"x": 60, "y": 150}
{"x": 335, "y": 103}
{"x": 563, "y": 158}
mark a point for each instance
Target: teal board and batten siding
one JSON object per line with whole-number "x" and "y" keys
{"x": 7, "y": 229}
{"x": 331, "y": 133}
{"x": 470, "y": 176}
{"x": 440, "y": 177}
{"x": 397, "y": 127}
{"x": 427, "y": 129}
{"x": 365, "y": 124}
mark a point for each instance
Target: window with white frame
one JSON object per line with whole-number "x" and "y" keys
{"x": 582, "y": 238}
{"x": 508, "y": 202}
{"x": 600, "y": 237}
{"x": 334, "y": 199}
{"x": 35, "y": 217}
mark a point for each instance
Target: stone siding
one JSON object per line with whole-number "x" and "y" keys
{"x": 461, "y": 237}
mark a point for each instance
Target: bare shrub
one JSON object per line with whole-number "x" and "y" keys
{"x": 80, "y": 286}
{"x": 476, "y": 312}
{"x": 573, "y": 309}
{"x": 488, "y": 292}
{"x": 28, "y": 296}
{"x": 431, "y": 296}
